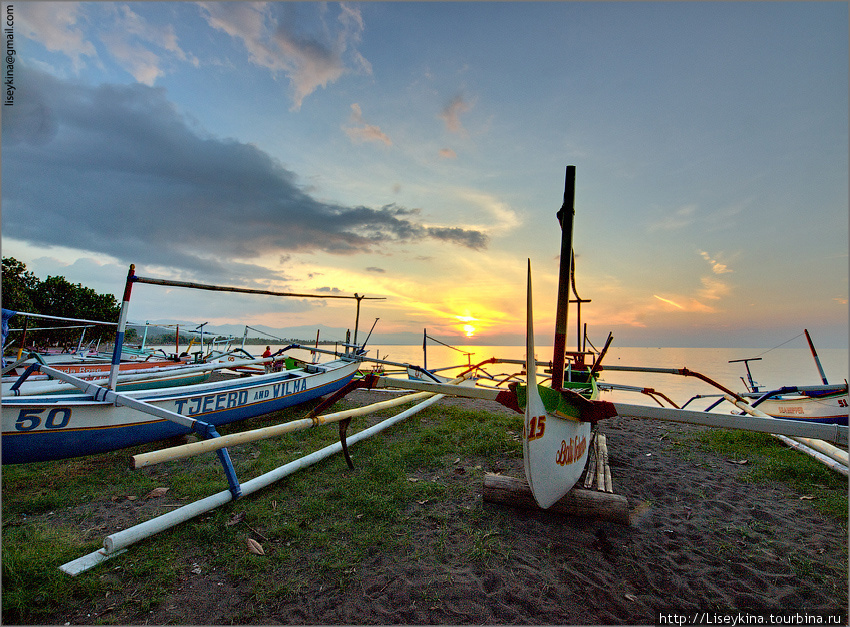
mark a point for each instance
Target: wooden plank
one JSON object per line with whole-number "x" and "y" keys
{"x": 601, "y": 461}
{"x": 591, "y": 465}
{"x": 577, "y": 502}
{"x": 603, "y": 455}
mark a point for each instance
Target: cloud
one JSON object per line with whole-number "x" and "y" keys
{"x": 55, "y": 26}
{"x": 139, "y": 47}
{"x": 267, "y": 31}
{"x": 363, "y": 132}
{"x": 117, "y": 170}
{"x": 448, "y": 153}
{"x": 130, "y": 40}
{"x": 452, "y": 112}
{"x": 679, "y": 219}
{"x": 499, "y": 217}
{"x": 668, "y": 301}
{"x": 374, "y": 269}
{"x": 716, "y": 266}
{"x": 690, "y": 305}
{"x": 713, "y": 289}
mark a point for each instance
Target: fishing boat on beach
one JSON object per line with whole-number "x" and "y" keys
{"x": 825, "y": 404}
{"x": 101, "y": 419}
{"x": 560, "y": 417}
{"x": 65, "y": 425}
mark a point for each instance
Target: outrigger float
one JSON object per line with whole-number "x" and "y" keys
{"x": 558, "y": 423}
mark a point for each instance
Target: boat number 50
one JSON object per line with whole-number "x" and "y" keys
{"x": 29, "y": 419}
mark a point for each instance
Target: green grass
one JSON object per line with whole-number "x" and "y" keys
{"x": 770, "y": 460}
{"x": 315, "y": 523}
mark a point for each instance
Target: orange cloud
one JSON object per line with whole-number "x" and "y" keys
{"x": 363, "y": 132}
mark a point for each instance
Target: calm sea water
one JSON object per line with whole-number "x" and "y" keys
{"x": 777, "y": 367}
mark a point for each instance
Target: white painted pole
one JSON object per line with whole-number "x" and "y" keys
{"x": 122, "y": 325}
{"x": 118, "y": 542}
{"x": 828, "y": 461}
{"x": 830, "y": 433}
{"x": 448, "y": 389}
{"x": 827, "y": 449}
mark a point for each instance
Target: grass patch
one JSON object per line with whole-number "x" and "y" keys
{"x": 770, "y": 460}
{"x": 316, "y": 524}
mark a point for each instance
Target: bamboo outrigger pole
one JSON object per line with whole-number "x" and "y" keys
{"x": 565, "y": 216}
{"x": 243, "y": 437}
{"x": 118, "y": 542}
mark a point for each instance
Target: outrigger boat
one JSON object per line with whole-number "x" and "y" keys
{"x": 57, "y": 426}
{"x": 826, "y": 404}
{"x": 559, "y": 418}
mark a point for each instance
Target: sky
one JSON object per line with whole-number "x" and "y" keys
{"x": 416, "y": 152}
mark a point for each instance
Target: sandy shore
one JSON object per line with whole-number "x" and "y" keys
{"x": 700, "y": 539}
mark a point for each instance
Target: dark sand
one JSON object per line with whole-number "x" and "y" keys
{"x": 701, "y": 539}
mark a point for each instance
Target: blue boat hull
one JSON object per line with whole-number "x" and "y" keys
{"x": 50, "y": 428}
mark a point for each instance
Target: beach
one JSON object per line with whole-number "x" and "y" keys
{"x": 700, "y": 539}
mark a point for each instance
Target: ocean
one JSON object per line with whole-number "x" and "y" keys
{"x": 775, "y": 368}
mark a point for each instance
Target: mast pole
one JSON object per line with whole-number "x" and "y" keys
{"x": 357, "y": 318}
{"x": 565, "y": 216}
{"x": 815, "y": 355}
{"x": 122, "y": 325}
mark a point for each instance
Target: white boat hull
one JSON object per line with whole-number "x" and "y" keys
{"x": 830, "y": 409}
{"x": 554, "y": 450}
{"x": 554, "y": 443}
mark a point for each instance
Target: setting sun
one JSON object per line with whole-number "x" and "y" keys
{"x": 468, "y": 328}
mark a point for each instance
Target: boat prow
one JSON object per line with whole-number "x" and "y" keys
{"x": 555, "y": 443}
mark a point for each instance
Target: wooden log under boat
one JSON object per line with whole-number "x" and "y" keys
{"x": 577, "y": 502}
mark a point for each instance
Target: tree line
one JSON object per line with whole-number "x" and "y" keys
{"x": 55, "y": 296}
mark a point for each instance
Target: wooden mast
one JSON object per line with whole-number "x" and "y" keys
{"x": 565, "y": 216}
{"x": 815, "y": 355}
